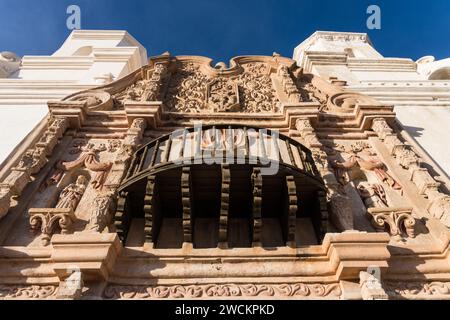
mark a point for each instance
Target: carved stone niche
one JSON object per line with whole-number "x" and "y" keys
{"x": 48, "y": 219}
{"x": 396, "y": 221}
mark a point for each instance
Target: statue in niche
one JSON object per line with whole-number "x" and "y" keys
{"x": 71, "y": 195}
{"x": 373, "y": 195}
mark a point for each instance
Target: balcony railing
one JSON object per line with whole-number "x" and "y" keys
{"x": 221, "y": 144}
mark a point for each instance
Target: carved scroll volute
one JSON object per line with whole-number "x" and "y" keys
{"x": 396, "y": 221}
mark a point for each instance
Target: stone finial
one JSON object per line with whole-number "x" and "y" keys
{"x": 9, "y": 63}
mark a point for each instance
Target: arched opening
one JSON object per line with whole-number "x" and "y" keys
{"x": 211, "y": 189}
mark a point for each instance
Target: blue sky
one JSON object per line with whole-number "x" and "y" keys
{"x": 223, "y": 29}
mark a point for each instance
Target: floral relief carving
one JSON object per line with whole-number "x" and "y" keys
{"x": 27, "y": 292}
{"x": 411, "y": 289}
{"x": 257, "y": 93}
{"x": 193, "y": 91}
{"x": 223, "y": 95}
{"x": 297, "y": 290}
{"x": 187, "y": 89}
{"x": 145, "y": 89}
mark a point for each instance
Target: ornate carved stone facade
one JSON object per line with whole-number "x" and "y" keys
{"x": 126, "y": 189}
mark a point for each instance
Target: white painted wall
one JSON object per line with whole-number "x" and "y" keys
{"x": 16, "y": 123}
{"x": 86, "y": 59}
{"x": 422, "y": 105}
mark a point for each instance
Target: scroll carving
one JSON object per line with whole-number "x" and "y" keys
{"x": 290, "y": 290}
{"x": 191, "y": 90}
{"x": 27, "y": 292}
{"x": 88, "y": 159}
{"x": 48, "y": 219}
{"x": 397, "y": 221}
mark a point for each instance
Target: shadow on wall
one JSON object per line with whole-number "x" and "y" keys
{"x": 415, "y": 132}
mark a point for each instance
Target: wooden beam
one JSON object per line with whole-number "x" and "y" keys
{"x": 323, "y": 207}
{"x": 291, "y": 211}
{"x": 257, "y": 202}
{"x": 120, "y": 217}
{"x": 186, "y": 201}
{"x": 149, "y": 208}
{"x": 224, "y": 206}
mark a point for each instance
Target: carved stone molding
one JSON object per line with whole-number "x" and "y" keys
{"x": 20, "y": 292}
{"x": 341, "y": 214}
{"x": 289, "y": 87}
{"x": 439, "y": 203}
{"x": 47, "y": 220}
{"x": 396, "y": 221}
{"x": 417, "y": 290}
{"x": 286, "y": 291}
{"x": 31, "y": 163}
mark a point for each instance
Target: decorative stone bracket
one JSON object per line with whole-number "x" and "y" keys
{"x": 93, "y": 254}
{"x": 396, "y": 221}
{"x": 47, "y": 220}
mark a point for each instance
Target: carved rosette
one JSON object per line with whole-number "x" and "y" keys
{"x": 396, "y": 221}
{"x": 48, "y": 219}
{"x": 287, "y": 291}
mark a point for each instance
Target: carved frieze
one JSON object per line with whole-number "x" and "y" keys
{"x": 191, "y": 90}
{"x": 22, "y": 292}
{"x": 294, "y": 290}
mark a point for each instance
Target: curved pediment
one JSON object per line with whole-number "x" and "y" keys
{"x": 193, "y": 85}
